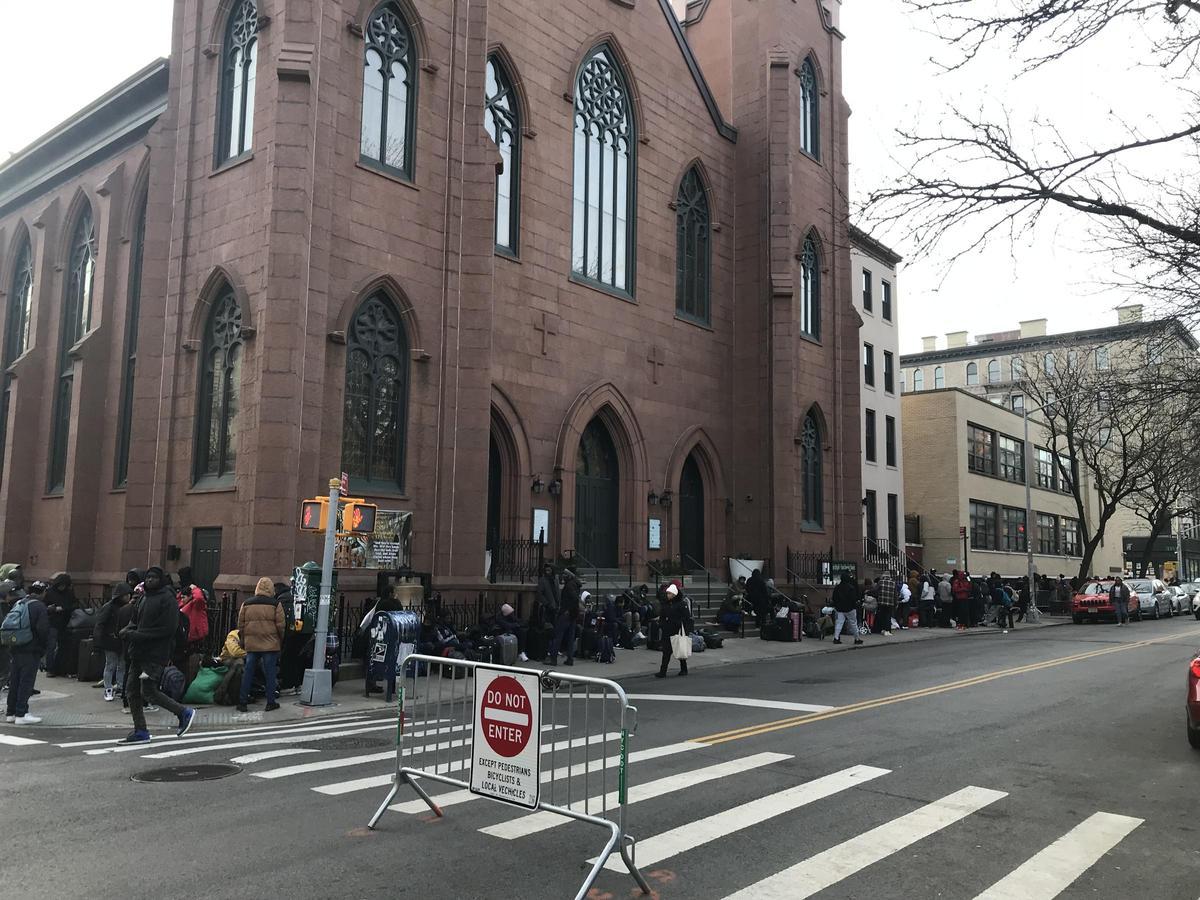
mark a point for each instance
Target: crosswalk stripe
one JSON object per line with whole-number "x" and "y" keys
{"x": 454, "y": 798}
{"x": 1049, "y": 872}
{"x": 270, "y": 754}
{"x": 693, "y": 834}
{"x": 734, "y": 701}
{"x": 256, "y": 729}
{"x": 237, "y": 736}
{"x": 360, "y": 784}
{"x": 13, "y": 741}
{"x": 237, "y": 745}
{"x": 830, "y": 866}
{"x": 524, "y": 826}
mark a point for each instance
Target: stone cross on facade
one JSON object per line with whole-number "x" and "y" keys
{"x": 656, "y": 360}
{"x": 547, "y": 327}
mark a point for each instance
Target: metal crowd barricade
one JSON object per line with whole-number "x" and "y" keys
{"x": 581, "y": 718}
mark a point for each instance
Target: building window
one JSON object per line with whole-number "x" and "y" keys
{"x": 1018, "y": 403}
{"x": 872, "y": 515}
{"x": 886, "y": 287}
{"x": 1045, "y": 470}
{"x": 869, "y": 436}
{"x": 1066, "y": 474}
{"x": 502, "y": 118}
{"x": 1012, "y": 459}
{"x": 1047, "y": 534}
{"x": 939, "y": 378}
{"x": 77, "y": 316}
{"x": 16, "y": 330}
{"x": 1013, "y": 538}
{"x": 605, "y": 166}
{"x": 889, "y": 372}
{"x": 1017, "y": 367}
{"x": 893, "y": 520}
{"x": 810, "y": 290}
{"x": 693, "y": 251}
{"x": 1102, "y": 358}
{"x": 1104, "y": 436}
{"x": 993, "y": 371}
{"x": 981, "y": 450}
{"x": 376, "y": 401}
{"x": 1048, "y": 364}
{"x": 889, "y": 439}
{"x": 219, "y": 390}
{"x": 1070, "y": 543}
{"x": 983, "y": 525}
{"x": 869, "y": 364}
{"x": 1104, "y": 402}
{"x": 389, "y": 92}
{"x": 972, "y": 374}
{"x": 239, "y": 58}
{"x": 1072, "y": 359}
{"x": 133, "y": 304}
{"x": 812, "y": 508}
{"x": 867, "y": 300}
{"x": 810, "y": 110}
{"x": 919, "y": 380}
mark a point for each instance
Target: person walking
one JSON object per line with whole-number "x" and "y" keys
{"x": 31, "y": 631}
{"x": 675, "y": 618}
{"x": 1118, "y": 594}
{"x": 260, "y": 624}
{"x": 845, "y": 604}
{"x": 151, "y": 634}
{"x": 60, "y": 603}
{"x": 564, "y": 626}
{"x": 106, "y": 637}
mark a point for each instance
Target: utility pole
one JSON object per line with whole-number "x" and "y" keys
{"x": 318, "y": 683}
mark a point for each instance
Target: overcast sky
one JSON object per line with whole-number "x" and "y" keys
{"x": 888, "y": 80}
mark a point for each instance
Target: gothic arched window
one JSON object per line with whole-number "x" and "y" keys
{"x": 810, "y": 110}
{"x": 389, "y": 91}
{"x": 219, "y": 389}
{"x": 76, "y": 319}
{"x": 502, "y": 119}
{"x": 810, "y": 289}
{"x": 239, "y": 58}
{"x": 376, "y": 401}
{"x": 16, "y": 329}
{"x": 603, "y": 199}
{"x": 133, "y": 310}
{"x": 812, "y": 508}
{"x": 693, "y": 252}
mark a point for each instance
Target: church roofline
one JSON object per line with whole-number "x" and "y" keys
{"x": 108, "y": 123}
{"x": 724, "y": 129}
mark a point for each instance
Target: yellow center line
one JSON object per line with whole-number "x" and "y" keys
{"x": 737, "y": 734}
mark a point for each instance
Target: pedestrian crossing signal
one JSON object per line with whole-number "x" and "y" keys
{"x": 314, "y": 514}
{"x": 358, "y": 517}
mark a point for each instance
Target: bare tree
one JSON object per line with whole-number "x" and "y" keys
{"x": 977, "y": 176}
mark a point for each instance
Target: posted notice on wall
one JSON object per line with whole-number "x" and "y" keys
{"x": 506, "y": 745}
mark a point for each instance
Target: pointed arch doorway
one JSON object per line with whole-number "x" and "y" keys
{"x": 691, "y": 514}
{"x": 597, "y": 497}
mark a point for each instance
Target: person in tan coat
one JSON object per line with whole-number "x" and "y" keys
{"x": 260, "y": 623}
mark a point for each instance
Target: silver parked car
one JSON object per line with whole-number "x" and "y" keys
{"x": 1154, "y": 600}
{"x": 1181, "y": 600}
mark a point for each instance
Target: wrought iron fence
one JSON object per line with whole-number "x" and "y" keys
{"x": 807, "y": 566}
{"x": 517, "y": 560}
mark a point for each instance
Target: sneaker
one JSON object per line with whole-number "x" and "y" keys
{"x": 837, "y": 640}
{"x": 99, "y": 684}
{"x": 887, "y": 634}
{"x": 186, "y": 718}
{"x": 241, "y": 707}
{"x": 660, "y": 674}
{"x": 858, "y": 640}
{"x": 271, "y": 707}
{"x": 522, "y": 657}
{"x": 28, "y": 720}
{"x": 136, "y": 736}
{"x": 10, "y": 719}
{"x": 34, "y": 692}
{"x": 150, "y": 707}
{"x": 109, "y": 696}
{"x": 640, "y": 636}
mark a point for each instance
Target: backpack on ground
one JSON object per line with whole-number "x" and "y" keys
{"x": 712, "y": 639}
{"x": 698, "y": 645}
{"x": 606, "y": 653}
{"x": 16, "y": 630}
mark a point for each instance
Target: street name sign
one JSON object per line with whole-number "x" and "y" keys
{"x": 506, "y": 743}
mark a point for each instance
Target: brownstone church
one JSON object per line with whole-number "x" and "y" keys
{"x": 575, "y": 262}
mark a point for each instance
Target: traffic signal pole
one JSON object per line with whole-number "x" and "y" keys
{"x": 318, "y": 683}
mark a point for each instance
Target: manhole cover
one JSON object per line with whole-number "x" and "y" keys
{"x": 186, "y": 773}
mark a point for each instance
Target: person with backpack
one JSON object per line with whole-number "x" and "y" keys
{"x": 24, "y": 631}
{"x": 260, "y": 623}
{"x": 106, "y": 637}
{"x": 8, "y": 596}
{"x": 845, "y": 603}
{"x": 675, "y": 618}
{"x": 152, "y": 632}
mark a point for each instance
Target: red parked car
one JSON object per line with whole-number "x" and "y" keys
{"x": 1193, "y": 703}
{"x": 1091, "y": 603}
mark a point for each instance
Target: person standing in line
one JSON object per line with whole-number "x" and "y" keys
{"x": 60, "y": 603}
{"x": 960, "y": 587}
{"x": 906, "y": 596}
{"x": 927, "y": 611}
{"x": 564, "y": 626}
{"x": 945, "y": 601}
{"x": 886, "y": 597}
{"x": 759, "y": 597}
{"x": 549, "y": 596}
{"x": 106, "y": 637}
{"x": 1118, "y": 594}
{"x": 151, "y": 634}
{"x": 845, "y": 604}
{"x": 24, "y": 657}
{"x": 260, "y": 624}
{"x": 675, "y": 618}
{"x": 8, "y": 597}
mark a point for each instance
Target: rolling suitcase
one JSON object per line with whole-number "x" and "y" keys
{"x": 506, "y": 650}
{"x": 90, "y": 664}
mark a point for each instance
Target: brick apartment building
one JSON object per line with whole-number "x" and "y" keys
{"x": 489, "y": 258}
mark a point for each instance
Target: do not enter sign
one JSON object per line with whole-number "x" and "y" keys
{"x": 506, "y": 750}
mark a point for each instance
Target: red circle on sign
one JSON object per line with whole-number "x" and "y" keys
{"x": 506, "y": 716}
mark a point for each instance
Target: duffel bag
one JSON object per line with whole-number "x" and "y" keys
{"x": 204, "y": 686}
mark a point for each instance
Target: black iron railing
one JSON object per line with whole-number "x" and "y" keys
{"x": 517, "y": 560}
{"x": 807, "y": 566}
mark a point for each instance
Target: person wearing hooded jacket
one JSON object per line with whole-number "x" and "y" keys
{"x": 151, "y": 634}
{"x": 846, "y": 598}
{"x": 564, "y": 627}
{"x": 60, "y": 603}
{"x": 675, "y": 618}
{"x": 106, "y": 637}
{"x": 260, "y": 623}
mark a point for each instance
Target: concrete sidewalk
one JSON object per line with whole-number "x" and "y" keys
{"x": 64, "y": 702}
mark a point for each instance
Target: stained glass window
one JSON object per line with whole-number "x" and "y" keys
{"x": 133, "y": 304}
{"x": 810, "y": 289}
{"x": 812, "y": 505}
{"x": 219, "y": 389}
{"x": 376, "y": 400}
{"x": 239, "y": 59}
{"x": 389, "y": 91}
{"x": 810, "y": 110}
{"x": 692, "y": 248}
{"x": 16, "y": 329}
{"x": 501, "y": 117}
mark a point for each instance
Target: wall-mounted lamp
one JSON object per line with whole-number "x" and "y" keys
{"x": 665, "y": 499}
{"x": 652, "y": 499}
{"x": 556, "y": 487}
{"x": 538, "y": 485}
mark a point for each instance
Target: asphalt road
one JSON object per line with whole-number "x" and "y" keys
{"x": 1037, "y": 764}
